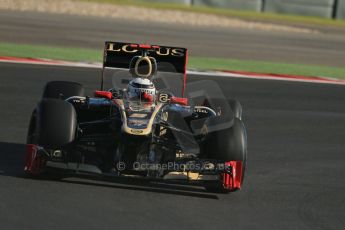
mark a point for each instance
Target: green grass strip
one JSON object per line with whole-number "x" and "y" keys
{"x": 93, "y": 55}
{"x": 267, "y": 67}
{"x": 59, "y": 53}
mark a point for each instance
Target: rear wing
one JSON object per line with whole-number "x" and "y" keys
{"x": 120, "y": 54}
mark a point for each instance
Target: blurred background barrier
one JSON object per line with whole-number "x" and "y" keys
{"x": 186, "y": 2}
{"x": 318, "y": 8}
{"x": 321, "y": 8}
{"x": 255, "y": 5}
{"x": 341, "y": 9}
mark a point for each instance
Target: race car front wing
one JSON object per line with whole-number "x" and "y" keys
{"x": 230, "y": 175}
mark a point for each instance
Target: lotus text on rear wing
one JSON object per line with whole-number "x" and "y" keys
{"x": 162, "y": 51}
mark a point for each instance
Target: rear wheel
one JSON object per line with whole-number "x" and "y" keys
{"x": 62, "y": 90}
{"x": 236, "y": 108}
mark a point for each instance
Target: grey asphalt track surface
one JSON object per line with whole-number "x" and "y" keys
{"x": 295, "y": 176}
{"x": 326, "y": 48}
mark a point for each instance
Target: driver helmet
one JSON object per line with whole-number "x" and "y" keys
{"x": 141, "y": 88}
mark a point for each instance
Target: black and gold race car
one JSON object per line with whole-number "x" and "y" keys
{"x": 148, "y": 123}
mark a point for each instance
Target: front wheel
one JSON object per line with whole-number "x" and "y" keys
{"x": 228, "y": 145}
{"x": 52, "y": 126}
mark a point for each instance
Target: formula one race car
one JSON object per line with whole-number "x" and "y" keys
{"x": 147, "y": 124}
